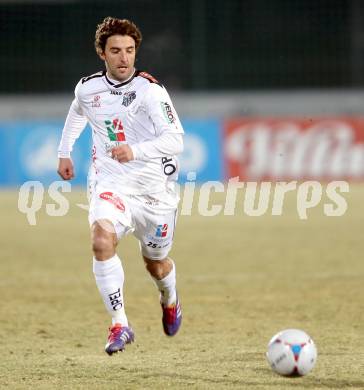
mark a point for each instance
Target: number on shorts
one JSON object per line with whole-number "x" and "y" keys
{"x": 151, "y": 244}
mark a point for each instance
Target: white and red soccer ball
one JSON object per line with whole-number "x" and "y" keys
{"x": 292, "y": 352}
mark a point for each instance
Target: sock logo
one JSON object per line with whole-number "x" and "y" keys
{"x": 115, "y": 300}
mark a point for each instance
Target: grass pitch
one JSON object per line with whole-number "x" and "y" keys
{"x": 241, "y": 279}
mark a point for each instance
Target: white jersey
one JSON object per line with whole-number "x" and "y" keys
{"x": 138, "y": 112}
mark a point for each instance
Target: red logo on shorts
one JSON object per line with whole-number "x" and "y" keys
{"x": 115, "y": 200}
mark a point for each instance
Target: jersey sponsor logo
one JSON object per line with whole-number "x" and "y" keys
{"x": 94, "y": 158}
{"x": 116, "y": 93}
{"x": 115, "y": 130}
{"x": 96, "y": 102}
{"x": 168, "y": 112}
{"x": 150, "y": 201}
{"x": 169, "y": 166}
{"x": 128, "y": 98}
{"x": 113, "y": 199}
{"x": 111, "y": 145}
{"x": 161, "y": 230}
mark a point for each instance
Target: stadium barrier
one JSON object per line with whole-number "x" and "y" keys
{"x": 254, "y": 149}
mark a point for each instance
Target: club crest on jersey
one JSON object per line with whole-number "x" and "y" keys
{"x": 115, "y": 130}
{"x": 128, "y": 98}
{"x": 161, "y": 230}
{"x": 113, "y": 199}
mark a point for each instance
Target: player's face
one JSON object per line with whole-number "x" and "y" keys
{"x": 119, "y": 57}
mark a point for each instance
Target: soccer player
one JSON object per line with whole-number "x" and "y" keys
{"x": 136, "y": 136}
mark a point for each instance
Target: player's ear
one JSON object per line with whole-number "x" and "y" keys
{"x": 102, "y": 55}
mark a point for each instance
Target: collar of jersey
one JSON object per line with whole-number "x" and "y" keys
{"x": 112, "y": 83}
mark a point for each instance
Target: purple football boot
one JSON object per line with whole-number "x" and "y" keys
{"x": 172, "y": 318}
{"x": 119, "y": 336}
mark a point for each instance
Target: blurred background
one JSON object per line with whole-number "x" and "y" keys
{"x": 265, "y": 90}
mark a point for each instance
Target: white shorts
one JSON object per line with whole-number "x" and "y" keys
{"x": 151, "y": 218}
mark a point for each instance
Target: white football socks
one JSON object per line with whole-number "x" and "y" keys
{"x": 167, "y": 287}
{"x": 109, "y": 276}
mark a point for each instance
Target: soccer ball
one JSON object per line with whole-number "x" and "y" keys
{"x": 292, "y": 352}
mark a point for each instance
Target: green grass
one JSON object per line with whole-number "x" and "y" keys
{"x": 241, "y": 279}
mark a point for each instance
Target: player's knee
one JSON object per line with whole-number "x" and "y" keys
{"x": 103, "y": 242}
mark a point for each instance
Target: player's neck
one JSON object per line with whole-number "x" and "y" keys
{"x": 109, "y": 76}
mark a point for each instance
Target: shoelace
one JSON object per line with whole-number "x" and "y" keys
{"x": 114, "y": 332}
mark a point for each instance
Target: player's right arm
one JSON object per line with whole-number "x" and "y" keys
{"x": 74, "y": 125}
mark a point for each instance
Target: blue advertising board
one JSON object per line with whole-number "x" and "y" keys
{"x": 202, "y": 150}
{"x": 30, "y": 152}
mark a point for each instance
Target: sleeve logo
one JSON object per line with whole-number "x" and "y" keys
{"x": 167, "y": 112}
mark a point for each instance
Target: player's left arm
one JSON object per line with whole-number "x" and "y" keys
{"x": 169, "y": 131}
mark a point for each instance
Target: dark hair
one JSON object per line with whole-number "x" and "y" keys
{"x": 113, "y": 26}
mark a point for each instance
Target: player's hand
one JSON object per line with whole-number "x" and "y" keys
{"x": 122, "y": 153}
{"x": 65, "y": 168}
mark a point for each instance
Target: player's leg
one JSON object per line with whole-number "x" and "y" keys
{"x": 108, "y": 270}
{"x": 154, "y": 227}
{"x": 163, "y": 273}
{"x": 106, "y": 230}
